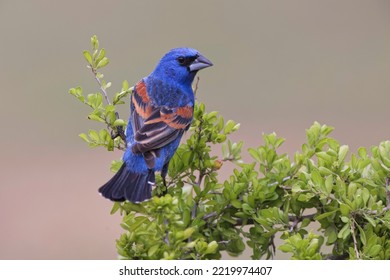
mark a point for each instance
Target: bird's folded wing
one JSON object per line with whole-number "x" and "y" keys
{"x": 141, "y": 106}
{"x": 156, "y": 127}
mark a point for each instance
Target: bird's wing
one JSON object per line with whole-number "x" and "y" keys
{"x": 141, "y": 106}
{"x": 155, "y": 127}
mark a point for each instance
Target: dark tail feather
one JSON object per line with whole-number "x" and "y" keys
{"x": 127, "y": 185}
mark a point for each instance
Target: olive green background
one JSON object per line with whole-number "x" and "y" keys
{"x": 278, "y": 66}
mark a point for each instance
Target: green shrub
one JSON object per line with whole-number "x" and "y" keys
{"x": 346, "y": 197}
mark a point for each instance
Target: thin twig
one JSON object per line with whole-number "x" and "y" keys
{"x": 195, "y": 208}
{"x": 201, "y": 172}
{"x": 196, "y": 85}
{"x": 231, "y": 158}
{"x": 120, "y": 131}
{"x": 387, "y": 193}
{"x": 301, "y": 218}
{"x": 249, "y": 221}
{"x": 102, "y": 89}
{"x": 294, "y": 224}
{"x": 354, "y": 239}
{"x": 166, "y": 239}
{"x": 273, "y": 244}
{"x": 193, "y": 211}
{"x": 296, "y": 220}
{"x": 210, "y": 215}
{"x": 200, "y": 179}
{"x": 240, "y": 222}
{"x": 336, "y": 257}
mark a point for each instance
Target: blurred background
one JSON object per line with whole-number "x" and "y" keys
{"x": 278, "y": 66}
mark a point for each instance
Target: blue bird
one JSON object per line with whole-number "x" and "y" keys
{"x": 161, "y": 106}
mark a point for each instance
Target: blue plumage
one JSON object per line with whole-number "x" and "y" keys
{"x": 161, "y": 110}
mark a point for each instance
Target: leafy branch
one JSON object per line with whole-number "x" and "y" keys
{"x": 344, "y": 196}
{"x": 103, "y": 113}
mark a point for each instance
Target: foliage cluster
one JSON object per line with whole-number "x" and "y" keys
{"x": 324, "y": 199}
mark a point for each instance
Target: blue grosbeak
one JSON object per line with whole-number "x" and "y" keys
{"x": 162, "y": 106}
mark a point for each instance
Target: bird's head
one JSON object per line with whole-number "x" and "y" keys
{"x": 181, "y": 65}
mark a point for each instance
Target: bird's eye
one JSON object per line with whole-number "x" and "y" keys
{"x": 181, "y": 60}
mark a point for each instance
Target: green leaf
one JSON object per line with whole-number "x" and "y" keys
{"x": 110, "y": 108}
{"x": 325, "y": 215}
{"x": 317, "y": 178}
{"x": 329, "y": 184}
{"x": 119, "y": 122}
{"x": 188, "y": 232}
{"x": 115, "y": 207}
{"x": 103, "y": 134}
{"x": 211, "y": 247}
{"x": 279, "y": 142}
{"x": 229, "y": 126}
{"x": 77, "y": 92}
{"x": 236, "y": 127}
{"x": 286, "y": 248}
{"x": 362, "y": 234}
{"x": 325, "y": 156}
{"x": 138, "y": 222}
{"x": 101, "y": 55}
{"x": 95, "y": 100}
{"x": 152, "y": 250}
{"x": 220, "y": 138}
{"x": 84, "y": 137}
{"x": 332, "y": 235}
{"x": 255, "y": 154}
{"x": 81, "y": 98}
{"x": 110, "y": 143}
{"x": 236, "y": 203}
{"x": 102, "y": 63}
{"x": 352, "y": 188}
{"x": 345, "y": 209}
{"x": 305, "y": 223}
{"x": 365, "y": 196}
{"x": 344, "y": 232}
{"x": 93, "y": 135}
{"x": 125, "y": 85}
{"x": 342, "y": 153}
{"x": 94, "y": 42}
{"x": 374, "y": 250}
{"x": 362, "y": 152}
{"x": 370, "y": 220}
{"x": 95, "y": 118}
{"x": 88, "y": 56}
